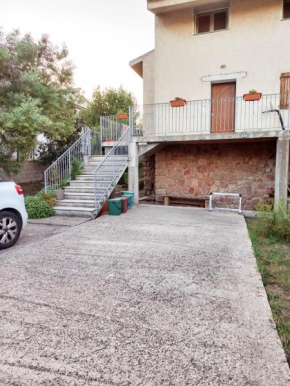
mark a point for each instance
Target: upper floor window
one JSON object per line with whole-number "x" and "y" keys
{"x": 286, "y": 9}
{"x": 212, "y": 21}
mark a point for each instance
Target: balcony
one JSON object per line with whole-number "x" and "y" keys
{"x": 211, "y": 119}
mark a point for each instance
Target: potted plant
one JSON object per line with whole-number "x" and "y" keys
{"x": 253, "y": 95}
{"x": 178, "y": 102}
{"x": 59, "y": 193}
{"x": 122, "y": 116}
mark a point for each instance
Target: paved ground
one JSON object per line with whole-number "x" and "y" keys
{"x": 38, "y": 230}
{"x": 159, "y": 296}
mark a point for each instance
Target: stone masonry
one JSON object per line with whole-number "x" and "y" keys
{"x": 149, "y": 174}
{"x": 30, "y": 171}
{"x": 197, "y": 170}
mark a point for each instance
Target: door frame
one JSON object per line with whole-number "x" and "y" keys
{"x": 223, "y": 82}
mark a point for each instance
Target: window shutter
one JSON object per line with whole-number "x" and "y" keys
{"x": 285, "y": 90}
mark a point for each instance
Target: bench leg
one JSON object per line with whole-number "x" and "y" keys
{"x": 166, "y": 201}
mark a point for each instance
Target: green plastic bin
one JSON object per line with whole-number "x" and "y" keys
{"x": 115, "y": 207}
{"x": 127, "y": 193}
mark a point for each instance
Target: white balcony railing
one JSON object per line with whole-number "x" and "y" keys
{"x": 214, "y": 116}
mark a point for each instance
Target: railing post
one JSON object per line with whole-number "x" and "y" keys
{"x": 101, "y": 131}
{"x": 131, "y": 120}
{"x": 45, "y": 181}
{"x": 288, "y": 126}
{"x": 89, "y": 139}
{"x": 69, "y": 164}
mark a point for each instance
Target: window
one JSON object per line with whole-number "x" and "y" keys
{"x": 286, "y": 9}
{"x": 211, "y": 22}
{"x": 285, "y": 90}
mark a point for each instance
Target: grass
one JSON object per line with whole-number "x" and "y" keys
{"x": 273, "y": 259}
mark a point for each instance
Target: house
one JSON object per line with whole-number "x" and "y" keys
{"x": 208, "y": 54}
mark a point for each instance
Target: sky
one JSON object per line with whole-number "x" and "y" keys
{"x": 102, "y": 36}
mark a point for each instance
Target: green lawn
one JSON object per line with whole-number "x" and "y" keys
{"x": 273, "y": 258}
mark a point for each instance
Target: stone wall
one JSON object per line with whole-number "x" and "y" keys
{"x": 31, "y": 171}
{"x": 149, "y": 174}
{"x": 197, "y": 170}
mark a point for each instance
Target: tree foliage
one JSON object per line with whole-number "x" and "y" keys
{"x": 36, "y": 94}
{"x": 108, "y": 102}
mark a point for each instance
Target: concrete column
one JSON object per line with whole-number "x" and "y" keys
{"x": 282, "y": 170}
{"x": 133, "y": 170}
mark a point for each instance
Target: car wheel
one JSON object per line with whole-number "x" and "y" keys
{"x": 10, "y": 228}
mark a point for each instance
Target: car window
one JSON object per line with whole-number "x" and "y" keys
{"x": 3, "y": 177}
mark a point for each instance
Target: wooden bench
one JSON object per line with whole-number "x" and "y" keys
{"x": 199, "y": 202}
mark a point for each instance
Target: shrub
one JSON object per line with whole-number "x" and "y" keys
{"x": 37, "y": 207}
{"x": 76, "y": 168}
{"x": 275, "y": 224}
{"x": 266, "y": 206}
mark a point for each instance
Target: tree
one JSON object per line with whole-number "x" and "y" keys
{"x": 109, "y": 102}
{"x": 36, "y": 95}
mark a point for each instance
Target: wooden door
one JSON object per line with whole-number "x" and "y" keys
{"x": 223, "y": 107}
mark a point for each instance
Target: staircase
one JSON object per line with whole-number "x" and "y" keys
{"x": 79, "y": 196}
{"x": 86, "y": 194}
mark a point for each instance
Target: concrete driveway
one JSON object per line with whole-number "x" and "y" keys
{"x": 159, "y": 296}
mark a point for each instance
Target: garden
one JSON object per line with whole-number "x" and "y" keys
{"x": 270, "y": 235}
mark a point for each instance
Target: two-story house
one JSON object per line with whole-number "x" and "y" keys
{"x": 221, "y": 138}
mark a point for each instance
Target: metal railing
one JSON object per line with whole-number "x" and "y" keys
{"x": 108, "y": 172}
{"x": 113, "y": 128}
{"x": 60, "y": 172}
{"x": 214, "y": 116}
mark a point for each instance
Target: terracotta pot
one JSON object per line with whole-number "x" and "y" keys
{"x": 178, "y": 103}
{"x": 122, "y": 116}
{"x": 59, "y": 194}
{"x": 108, "y": 139}
{"x": 252, "y": 97}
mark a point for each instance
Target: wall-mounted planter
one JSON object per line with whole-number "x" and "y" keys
{"x": 122, "y": 116}
{"x": 106, "y": 139}
{"x": 178, "y": 103}
{"x": 252, "y": 97}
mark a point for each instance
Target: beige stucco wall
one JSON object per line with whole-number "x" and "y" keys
{"x": 149, "y": 78}
{"x": 257, "y": 42}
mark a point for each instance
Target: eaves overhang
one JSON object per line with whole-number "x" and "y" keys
{"x": 137, "y": 64}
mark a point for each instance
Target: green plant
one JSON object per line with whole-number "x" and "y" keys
{"x": 265, "y": 206}
{"x": 37, "y": 207}
{"x": 49, "y": 199}
{"x": 274, "y": 265}
{"x": 275, "y": 224}
{"x": 253, "y": 91}
{"x": 77, "y": 167}
{"x": 124, "y": 179}
{"x": 38, "y": 96}
{"x": 63, "y": 183}
{"x": 42, "y": 192}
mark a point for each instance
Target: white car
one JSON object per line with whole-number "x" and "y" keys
{"x": 13, "y": 215}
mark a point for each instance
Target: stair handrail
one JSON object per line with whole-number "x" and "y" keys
{"x": 110, "y": 157}
{"x": 58, "y": 174}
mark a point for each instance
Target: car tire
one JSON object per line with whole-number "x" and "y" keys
{"x": 10, "y": 228}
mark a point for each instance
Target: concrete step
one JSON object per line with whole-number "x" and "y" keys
{"x": 86, "y": 184}
{"x": 79, "y": 196}
{"x": 70, "y": 189}
{"x": 100, "y": 182}
{"x": 98, "y": 158}
{"x": 112, "y": 166}
{"x": 74, "y": 211}
{"x": 76, "y": 203}
{"x": 90, "y": 177}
